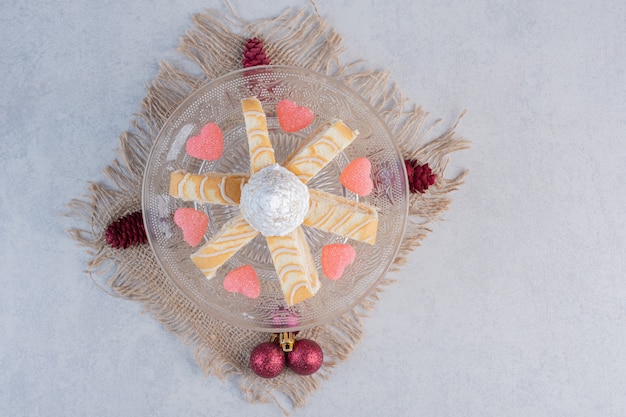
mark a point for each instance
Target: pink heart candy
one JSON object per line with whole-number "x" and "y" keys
{"x": 293, "y": 117}
{"x": 335, "y": 258}
{"x": 208, "y": 144}
{"x": 193, "y": 223}
{"x": 244, "y": 281}
{"x": 356, "y": 177}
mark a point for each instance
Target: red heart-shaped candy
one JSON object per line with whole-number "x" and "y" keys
{"x": 356, "y": 177}
{"x": 293, "y": 117}
{"x": 208, "y": 144}
{"x": 193, "y": 223}
{"x": 335, "y": 258}
{"x": 243, "y": 280}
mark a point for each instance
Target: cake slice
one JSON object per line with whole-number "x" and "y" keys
{"x": 220, "y": 248}
{"x": 321, "y": 147}
{"x": 261, "y": 150}
{"x": 210, "y": 187}
{"x": 294, "y": 265}
{"x": 341, "y": 216}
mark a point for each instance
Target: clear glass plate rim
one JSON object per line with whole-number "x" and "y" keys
{"x": 322, "y": 77}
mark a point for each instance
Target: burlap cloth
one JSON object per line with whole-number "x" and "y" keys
{"x": 213, "y": 47}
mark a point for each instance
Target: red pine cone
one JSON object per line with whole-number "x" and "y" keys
{"x": 254, "y": 53}
{"x": 420, "y": 176}
{"x": 126, "y": 231}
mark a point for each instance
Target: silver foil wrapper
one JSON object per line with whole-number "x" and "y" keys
{"x": 274, "y": 201}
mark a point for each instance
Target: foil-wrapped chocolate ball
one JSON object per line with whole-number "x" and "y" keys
{"x": 274, "y": 201}
{"x": 306, "y": 357}
{"x": 267, "y": 360}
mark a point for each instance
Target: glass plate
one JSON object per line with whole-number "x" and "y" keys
{"x": 219, "y": 102}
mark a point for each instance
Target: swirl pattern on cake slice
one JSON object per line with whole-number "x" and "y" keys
{"x": 338, "y": 215}
{"x": 223, "y": 245}
{"x": 294, "y": 265}
{"x": 210, "y": 187}
{"x": 321, "y": 147}
{"x": 259, "y": 144}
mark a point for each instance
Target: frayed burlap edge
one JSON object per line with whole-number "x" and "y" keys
{"x": 214, "y": 45}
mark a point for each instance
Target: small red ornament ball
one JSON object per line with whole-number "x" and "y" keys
{"x": 306, "y": 357}
{"x": 267, "y": 360}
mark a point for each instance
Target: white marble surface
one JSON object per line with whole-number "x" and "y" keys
{"x": 514, "y": 306}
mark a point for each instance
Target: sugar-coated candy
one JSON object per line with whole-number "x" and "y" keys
{"x": 283, "y": 317}
{"x": 243, "y": 280}
{"x": 356, "y": 177}
{"x": 335, "y": 258}
{"x": 292, "y": 117}
{"x": 208, "y": 144}
{"x": 193, "y": 223}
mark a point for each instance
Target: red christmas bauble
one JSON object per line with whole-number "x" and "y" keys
{"x": 306, "y": 357}
{"x": 267, "y": 360}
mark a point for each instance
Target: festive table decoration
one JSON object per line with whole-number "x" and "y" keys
{"x": 420, "y": 176}
{"x": 302, "y": 356}
{"x": 306, "y": 357}
{"x": 254, "y": 54}
{"x": 290, "y": 365}
{"x": 267, "y": 360}
{"x": 126, "y": 231}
